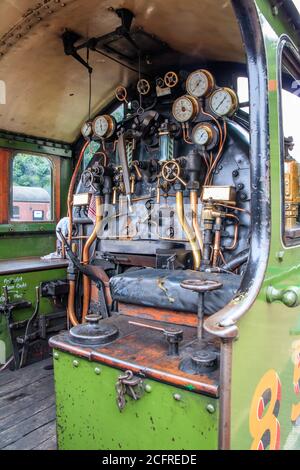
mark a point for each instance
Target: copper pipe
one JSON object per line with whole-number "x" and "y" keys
{"x": 195, "y": 224}
{"x": 236, "y": 232}
{"x": 71, "y": 301}
{"x": 71, "y": 189}
{"x": 187, "y": 230}
{"x": 185, "y": 132}
{"x": 86, "y": 256}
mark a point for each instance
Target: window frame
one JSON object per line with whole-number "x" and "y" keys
{"x": 52, "y": 220}
{"x": 285, "y": 43}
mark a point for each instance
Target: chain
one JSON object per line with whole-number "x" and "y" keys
{"x": 125, "y": 386}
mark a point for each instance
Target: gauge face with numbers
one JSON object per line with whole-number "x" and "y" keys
{"x": 203, "y": 135}
{"x": 185, "y": 108}
{"x": 200, "y": 83}
{"x": 224, "y": 102}
{"x": 104, "y": 126}
{"x": 86, "y": 129}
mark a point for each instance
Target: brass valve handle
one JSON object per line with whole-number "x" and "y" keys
{"x": 143, "y": 86}
{"x": 290, "y": 296}
{"x": 121, "y": 94}
{"x": 171, "y": 79}
{"x": 171, "y": 172}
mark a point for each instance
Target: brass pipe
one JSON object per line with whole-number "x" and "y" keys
{"x": 86, "y": 256}
{"x": 187, "y": 230}
{"x": 71, "y": 303}
{"x": 195, "y": 224}
{"x": 217, "y": 242}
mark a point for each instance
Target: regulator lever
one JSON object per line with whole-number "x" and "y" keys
{"x": 174, "y": 336}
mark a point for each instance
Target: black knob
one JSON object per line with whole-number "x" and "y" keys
{"x": 174, "y": 336}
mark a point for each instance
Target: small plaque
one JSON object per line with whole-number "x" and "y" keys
{"x": 219, "y": 193}
{"x": 82, "y": 199}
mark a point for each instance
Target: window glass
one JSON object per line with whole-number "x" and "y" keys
{"x": 290, "y": 105}
{"x": 118, "y": 113}
{"x": 31, "y": 188}
{"x": 90, "y": 151}
{"x": 243, "y": 91}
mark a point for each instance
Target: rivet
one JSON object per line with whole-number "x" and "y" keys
{"x": 148, "y": 388}
{"x": 177, "y": 396}
{"x": 56, "y": 355}
{"x": 75, "y": 363}
{"x": 280, "y": 255}
{"x": 210, "y": 408}
{"x": 97, "y": 370}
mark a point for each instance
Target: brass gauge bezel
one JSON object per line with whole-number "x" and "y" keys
{"x": 195, "y": 105}
{"x": 90, "y": 124}
{"x": 111, "y": 126}
{"x": 210, "y": 132}
{"x": 234, "y": 98}
{"x": 211, "y": 83}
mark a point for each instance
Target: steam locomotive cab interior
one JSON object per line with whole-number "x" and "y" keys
{"x": 155, "y": 218}
{"x": 159, "y": 203}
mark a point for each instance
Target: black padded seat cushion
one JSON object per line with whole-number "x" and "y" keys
{"x": 160, "y": 288}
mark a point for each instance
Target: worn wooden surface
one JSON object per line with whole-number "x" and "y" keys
{"x": 27, "y": 408}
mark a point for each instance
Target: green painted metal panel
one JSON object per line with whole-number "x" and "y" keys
{"x": 269, "y": 333}
{"x": 22, "y": 246}
{"x": 22, "y": 286}
{"x": 32, "y": 144}
{"x": 88, "y": 417}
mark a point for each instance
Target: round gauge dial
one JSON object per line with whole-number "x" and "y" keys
{"x": 200, "y": 83}
{"x": 86, "y": 129}
{"x": 185, "y": 108}
{"x": 224, "y": 102}
{"x": 203, "y": 134}
{"x": 104, "y": 126}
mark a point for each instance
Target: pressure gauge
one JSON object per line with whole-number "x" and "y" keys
{"x": 86, "y": 129}
{"x": 104, "y": 126}
{"x": 224, "y": 102}
{"x": 185, "y": 108}
{"x": 205, "y": 135}
{"x": 200, "y": 83}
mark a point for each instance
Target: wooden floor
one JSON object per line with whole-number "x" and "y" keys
{"x": 27, "y": 408}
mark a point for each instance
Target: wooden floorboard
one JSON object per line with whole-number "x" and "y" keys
{"x": 27, "y": 408}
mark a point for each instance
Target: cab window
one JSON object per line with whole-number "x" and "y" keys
{"x": 31, "y": 188}
{"x": 290, "y": 111}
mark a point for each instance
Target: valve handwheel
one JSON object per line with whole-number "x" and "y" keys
{"x": 171, "y": 172}
{"x": 143, "y": 86}
{"x": 171, "y": 79}
{"x": 121, "y": 94}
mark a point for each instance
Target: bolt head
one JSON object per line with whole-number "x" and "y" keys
{"x": 210, "y": 408}
{"x": 177, "y": 397}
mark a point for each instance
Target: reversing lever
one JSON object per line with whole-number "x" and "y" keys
{"x": 173, "y": 336}
{"x": 121, "y": 147}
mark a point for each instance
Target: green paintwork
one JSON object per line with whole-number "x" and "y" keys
{"x": 268, "y": 332}
{"x": 31, "y": 144}
{"x": 22, "y": 286}
{"x": 88, "y": 417}
{"x": 21, "y": 240}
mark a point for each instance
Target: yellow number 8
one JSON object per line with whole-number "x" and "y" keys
{"x": 264, "y": 425}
